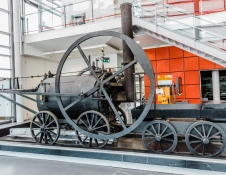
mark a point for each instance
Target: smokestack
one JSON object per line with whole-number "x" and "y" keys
{"x": 126, "y": 20}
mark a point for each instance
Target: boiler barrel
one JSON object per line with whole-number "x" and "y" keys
{"x": 69, "y": 85}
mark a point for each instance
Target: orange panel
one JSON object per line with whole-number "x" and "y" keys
{"x": 162, "y": 66}
{"x": 175, "y": 52}
{"x": 175, "y": 75}
{"x": 194, "y": 101}
{"x": 147, "y": 92}
{"x": 205, "y": 64}
{"x": 191, "y": 63}
{"x": 150, "y": 53}
{"x": 162, "y": 53}
{"x": 192, "y": 91}
{"x": 192, "y": 77}
{"x": 146, "y": 80}
{"x": 176, "y": 65}
{"x": 217, "y": 66}
{"x": 154, "y": 65}
{"x": 188, "y": 54}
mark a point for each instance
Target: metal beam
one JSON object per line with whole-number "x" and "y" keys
{"x": 18, "y": 104}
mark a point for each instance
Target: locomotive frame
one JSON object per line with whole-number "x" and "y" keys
{"x": 204, "y": 127}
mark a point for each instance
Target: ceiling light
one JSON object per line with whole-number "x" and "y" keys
{"x": 138, "y": 42}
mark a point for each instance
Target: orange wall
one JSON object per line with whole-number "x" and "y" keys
{"x": 178, "y": 63}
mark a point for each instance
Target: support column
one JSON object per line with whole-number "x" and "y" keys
{"x": 16, "y": 47}
{"x": 216, "y": 85}
{"x": 126, "y": 20}
{"x": 196, "y": 7}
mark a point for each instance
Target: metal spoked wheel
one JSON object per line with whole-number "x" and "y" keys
{"x": 45, "y": 128}
{"x": 159, "y": 137}
{"x": 102, "y": 86}
{"x": 92, "y": 122}
{"x": 205, "y": 138}
{"x": 122, "y": 114}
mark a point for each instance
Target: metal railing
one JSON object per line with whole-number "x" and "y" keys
{"x": 77, "y": 13}
{"x": 178, "y": 20}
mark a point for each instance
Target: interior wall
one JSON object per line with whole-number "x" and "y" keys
{"x": 179, "y": 63}
{"x": 34, "y": 66}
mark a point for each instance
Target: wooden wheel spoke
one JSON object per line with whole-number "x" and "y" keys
{"x": 203, "y": 130}
{"x": 166, "y": 135}
{"x": 154, "y": 129}
{"x": 41, "y": 137}
{"x": 49, "y": 136}
{"x": 168, "y": 140}
{"x": 88, "y": 120}
{"x": 84, "y": 123}
{"x": 196, "y": 141}
{"x": 45, "y": 136}
{"x": 197, "y": 131}
{"x": 51, "y": 128}
{"x": 94, "y": 129}
{"x": 216, "y": 140}
{"x": 195, "y": 136}
{"x": 209, "y": 131}
{"x": 36, "y": 124}
{"x": 217, "y": 133}
{"x": 50, "y": 123}
{"x": 198, "y": 146}
{"x": 97, "y": 122}
{"x": 46, "y": 119}
{"x": 52, "y": 132}
{"x": 151, "y": 142}
{"x": 150, "y": 132}
{"x": 203, "y": 149}
{"x": 159, "y": 128}
{"x": 214, "y": 146}
{"x": 164, "y": 130}
{"x": 39, "y": 119}
{"x": 93, "y": 117}
{"x": 38, "y": 134}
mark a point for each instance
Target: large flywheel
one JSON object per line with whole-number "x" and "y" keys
{"x": 139, "y": 57}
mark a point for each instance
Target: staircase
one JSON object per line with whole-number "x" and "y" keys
{"x": 196, "y": 34}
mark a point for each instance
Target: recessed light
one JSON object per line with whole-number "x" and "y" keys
{"x": 138, "y": 42}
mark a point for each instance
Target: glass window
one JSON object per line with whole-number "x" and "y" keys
{"x": 4, "y": 17}
{"x": 5, "y": 73}
{"x": 4, "y": 4}
{"x": 4, "y": 51}
{"x": 5, "y": 62}
{"x": 31, "y": 18}
{"x": 4, "y": 40}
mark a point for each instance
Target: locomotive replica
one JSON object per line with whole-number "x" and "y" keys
{"x": 89, "y": 102}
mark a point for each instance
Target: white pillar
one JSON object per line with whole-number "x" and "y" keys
{"x": 17, "y": 52}
{"x": 216, "y": 85}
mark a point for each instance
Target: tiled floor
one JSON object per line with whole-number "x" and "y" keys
{"x": 24, "y": 166}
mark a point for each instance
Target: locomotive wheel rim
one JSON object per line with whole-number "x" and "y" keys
{"x": 140, "y": 56}
{"x": 45, "y": 128}
{"x": 159, "y": 131}
{"x": 96, "y": 143}
{"x": 204, "y": 139}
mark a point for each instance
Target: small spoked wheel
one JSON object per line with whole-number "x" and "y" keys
{"x": 45, "y": 128}
{"x": 159, "y": 137}
{"x": 92, "y": 122}
{"x": 205, "y": 138}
